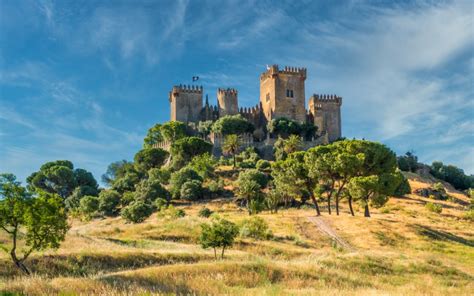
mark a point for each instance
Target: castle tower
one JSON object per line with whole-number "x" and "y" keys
{"x": 326, "y": 111}
{"x": 186, "y": 103}
{"x": 227, "y": 101}
{"x": 282, "y": 93}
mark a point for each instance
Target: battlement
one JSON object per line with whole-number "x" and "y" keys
{"x": 322, "y": 99}
{"x": 187, "y": 88}
{"x": 274, "y": 70}
{"x": 227, "y": 91}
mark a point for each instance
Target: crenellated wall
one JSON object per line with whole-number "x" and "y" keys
{"x": 227, "y": 101}
{"x": 186, "y": 103}
{"x": 326, "y": 114}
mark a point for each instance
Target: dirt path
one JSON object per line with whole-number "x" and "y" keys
{"x": 325, "y": 228}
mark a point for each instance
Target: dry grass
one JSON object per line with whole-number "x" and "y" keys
{"x": 402, "y": 250}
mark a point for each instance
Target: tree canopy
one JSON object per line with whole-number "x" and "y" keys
{"x": 232, "y": 124}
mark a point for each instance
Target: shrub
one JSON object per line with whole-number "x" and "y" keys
{"x": 185, "y": 149}
{"x": 273, "y": 199}
{"x": 127, "y": 198}
{"x": 469, "y": 215}
{"x": 438, "y": 186}
{"x": 191, "y": 190}
{"x": 263, "y": 165}
{"x": 160, "y": 203}
{"x": 205, "y": 212}
{"x": 404, "y": 187}
{"x": 435, "y": 208}
{"x": 220, "y": 233}
{"x": 204, "y": 165}
{"x": 254, "y": 175}
{"x": 72, "y": 201}
{"x": 162, "y": 175}
{"x": 150, "y": 190}
{"x": 148, "y": 158}
{"x": 216, "y": 186}
{"x": 108, "y": 202}
{"x": 137, "y": 211}
{"x": 171, "y": 213}
{"x": 89, "y": 205}
{"x": 256, "y": 228}
{"x": 179, "y": 178}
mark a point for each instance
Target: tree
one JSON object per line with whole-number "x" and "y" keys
{"x": 185, "y": 149}
{"x": 232, "y": 124}
{"x": 117, "y": 170}
{"x": 205, "y": 127}
{"x": 137, "y": 211}
{"x": 220, "y": 233}
{"x": 408, "y": 162}
{"x": 73, "y": 200}
{"x": 149, "y": 190}
{"x": 109, "y": 200}
{"x": 191, "y": 190}
{"x": 231, "y": 146}
{"x": 284, "y": 127}
{"x": 88, "y": 206}
{"x": 173, "y": 131}
{"x": 146, "y": 159}
{"x": 273, "y": 199}
{"x": 153, "y": 136}
{"x": 250, "y": 184}
{"x": 179, "y": 178}
{"x": 453, "y": 175}
{"x": 204, "y": 165}
{"x": 39, "y": 220}
{"x": 292, "y": 178}
{"x": 283, "y": 147}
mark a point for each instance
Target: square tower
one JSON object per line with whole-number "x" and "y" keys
{"x": 326, "y": 111}
{"x": 185, "y": 103}
{"x": 227, "y": 101}
{"x": 282, "y": 93}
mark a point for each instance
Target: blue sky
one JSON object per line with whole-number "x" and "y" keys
{"x": 84, "y": 80}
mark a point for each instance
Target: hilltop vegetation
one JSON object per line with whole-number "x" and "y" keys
{"x": 336, "y": 219}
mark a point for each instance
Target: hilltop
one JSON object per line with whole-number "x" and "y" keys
{"x": 403, "y": 249}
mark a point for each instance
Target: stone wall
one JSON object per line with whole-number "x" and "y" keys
{"x": 227, "y": 101}
{"x": 186, "y": 103}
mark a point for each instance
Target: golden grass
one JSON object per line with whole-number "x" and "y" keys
{"x": 401, "y": 250}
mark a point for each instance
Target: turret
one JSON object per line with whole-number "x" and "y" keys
{"x": 227, "y": 101}
{"x": 326, "y": 113}
{"x": 186, "y": 103}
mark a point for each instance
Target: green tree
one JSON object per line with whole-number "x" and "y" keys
{"x": 72, "y": 201}
{"x": 153, "y": 136}
{"x": 231, "y": 146}
{"x": 205, "y": 127}
{"x": 137, "y": 211}
{"x": 173, "y": 130}
{"x": 292, "y": 177}
{"x": 453, "y": 175}
{"x": 149, "y": 190}
{"x": 284, "y": 127}
{"x": 191, "y": 190}
{"x": 220, "y": 233}
{"x": 88, "y": 206}
{"x": 232, "y": 124}
{"x": 162, "y": 175}
{"x": 179, "y": 178}
{"x": 109, "y": 200}
{"x": 283, "y": 147}
{"x": 408, "y": 162}
{"x": 249, "y": 186}
{"x": 40, "y": 220}
{"x": 147, "y": 159}
{"x": 256, "y": 228}
{"x": 185, "y": 149}
{"x": 204, "y": 165}
{"x": 117, "y": 170}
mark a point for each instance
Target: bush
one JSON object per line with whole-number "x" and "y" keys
{"x": 161, "y": 175}
{"x": 254, "y": 175}
{"x": 469, "y": 215}
{"x": 191, "y": 190}
{"x": 256, "y": 228}
{"x": 179, "y": 178}
{"x": 263, "y": 165}
{"x": 435, "y": 208}
{"x": 205, "y": 212}
{"x": 216, "y": 186}
{"x": 404, "y": 187}
{"x": 204, "y": 165}
{"x": 73, "y": 200}
{"x": 248, "y": 158}
{"x": 127, "y": 198}
{"x": 185, "y": 149}
{"x": 89, "y": 205}
{"x": 108, "y": 202}
{"x": 171, "y": 213}
{"x": 150, "y": 190}
{"x": 160, "y": 203}
{"x": 137, "y": 211}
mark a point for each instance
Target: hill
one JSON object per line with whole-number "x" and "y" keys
{"x": 403, "y": 249}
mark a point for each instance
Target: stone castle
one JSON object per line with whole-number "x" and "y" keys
{"x": 282, "y": 94}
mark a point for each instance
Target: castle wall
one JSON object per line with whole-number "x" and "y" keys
{"x": 186, "y": 103}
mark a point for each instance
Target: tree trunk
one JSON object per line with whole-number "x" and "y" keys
{"x": 337, "y": 205}
{"x": 248, "y": 206}
{"x": 366, "y": 211}
{"x": 233, "y": 155}
{"x": 350, "y": 205}
{"x": 315, "y": 204}
{"x": 329, "y": 204}
{"x": 222, "y": 255}
{"x": 215, "y": 254}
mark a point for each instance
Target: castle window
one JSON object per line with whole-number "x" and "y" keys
{"x": 289, "y": 93}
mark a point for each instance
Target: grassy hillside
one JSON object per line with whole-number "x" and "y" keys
{"x": 403, "y": 249}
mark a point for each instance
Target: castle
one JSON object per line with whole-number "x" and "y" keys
{"x": 282, "y": 94}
